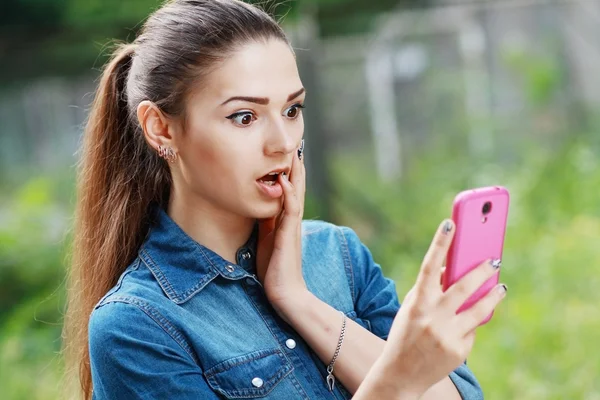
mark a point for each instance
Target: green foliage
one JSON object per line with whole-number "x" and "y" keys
{"x": 67, "y": 37}
{"x": 31, "y": 242}
{"x": 29, "y": 348}
{"x": 32, "y": 250}
{"x": 540, "y": 76}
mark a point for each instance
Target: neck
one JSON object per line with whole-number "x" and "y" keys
{"x": 218, "y": 230}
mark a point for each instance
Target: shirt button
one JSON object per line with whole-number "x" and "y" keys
{"x": 257, "y": 382}
{"x": 250, "y": 281}
{"x": 290, "y": 343}
{"x": 230, "y": 268}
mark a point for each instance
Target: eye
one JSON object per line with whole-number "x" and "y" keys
{"x": 243, "y": 118}
{"x": 294, "y": 111}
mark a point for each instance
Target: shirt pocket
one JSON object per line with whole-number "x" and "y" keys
{"x": 253, "y": 375}
{"x": 365, "y": 323}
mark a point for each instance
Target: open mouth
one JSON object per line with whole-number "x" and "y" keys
{"x": 269, "y": 179}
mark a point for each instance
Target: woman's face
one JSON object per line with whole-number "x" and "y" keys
{"x": 244, "y": 123}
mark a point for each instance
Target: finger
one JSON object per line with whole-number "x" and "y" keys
{"x": 291, "y": 212}
{"x": 471, "y": 318}
{"x": 408, "y": 295}
{"x": 302, "y": 188}
{"x": 280, "y": 215}
{"x": 442, "y": 275}
{"x": 290, "y": 203}
{"x": 460, "y": 292}
{"x": 430, "y": 269}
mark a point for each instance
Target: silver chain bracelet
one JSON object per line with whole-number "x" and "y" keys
{"x": 330, "y": 377}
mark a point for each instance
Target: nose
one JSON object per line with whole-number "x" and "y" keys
{"x": 280, "y": 140}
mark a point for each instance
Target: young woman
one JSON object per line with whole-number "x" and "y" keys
{"x": 194, "y": 276}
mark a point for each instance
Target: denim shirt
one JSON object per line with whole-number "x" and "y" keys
{"x": 184, "y": 323}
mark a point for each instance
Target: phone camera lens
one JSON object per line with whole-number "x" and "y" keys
{"x": 487, "y": 207}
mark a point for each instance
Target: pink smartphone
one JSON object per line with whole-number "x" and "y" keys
{"x": 480, "y": 217}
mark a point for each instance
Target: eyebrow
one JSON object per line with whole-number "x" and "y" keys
{"x": 262, "y": 100}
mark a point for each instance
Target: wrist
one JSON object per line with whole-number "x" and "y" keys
{"x": 385, "y": 380}
{"x": 287, "y": 306}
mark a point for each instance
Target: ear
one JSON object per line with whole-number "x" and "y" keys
{"x": 158, "y": 128}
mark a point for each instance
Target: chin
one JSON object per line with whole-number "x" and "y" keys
{"x": 266, "y": 210}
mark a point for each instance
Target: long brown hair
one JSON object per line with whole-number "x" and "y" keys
{"x": 120, "y": 177}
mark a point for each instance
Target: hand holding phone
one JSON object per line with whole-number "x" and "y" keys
{"x": 428, "y": 339}
{"x": 480, "y": 217}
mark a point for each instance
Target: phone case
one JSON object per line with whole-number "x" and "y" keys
{"x": 478, "y": 237}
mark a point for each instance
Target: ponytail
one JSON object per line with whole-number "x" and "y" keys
{"x": 118, "y": 177}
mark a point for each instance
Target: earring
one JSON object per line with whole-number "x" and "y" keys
{"x": 167, "y": 153}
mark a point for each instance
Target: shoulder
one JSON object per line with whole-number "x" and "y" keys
{"x": 325, "y": 233}
{"x": 134, "y": 307}
{"x": 136, "y": 289}
{"x": 119, "y": 316}
{"x": 114, "y": 322}
{"x": 329, "y": 239}
{"x": 333, "y": 257}
{"x": 124, "y": 319}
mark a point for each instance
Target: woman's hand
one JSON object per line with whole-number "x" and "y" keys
{"x": 279, "y": 249}
{"x": 428, "y": 340}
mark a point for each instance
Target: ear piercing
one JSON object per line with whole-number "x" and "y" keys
{"x": 167, "y": 153}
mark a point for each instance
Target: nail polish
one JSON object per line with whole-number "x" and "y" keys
{"x": 301, "y": 150}
{"x": 496, "y": 263}
{"x": 447, "y": 227}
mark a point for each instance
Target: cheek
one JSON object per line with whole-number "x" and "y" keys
{"x": 299, "y": 128}
{"x": 215, "y": 164}
{"x": 203, "y": 156}
{"x": 200, "y": 159}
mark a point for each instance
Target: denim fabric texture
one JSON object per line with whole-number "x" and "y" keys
{"x": 183, "y": 323}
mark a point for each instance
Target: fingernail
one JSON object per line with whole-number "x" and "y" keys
{"x": 496, "y": 263}
{"x": 502, "y": 289}
{"x": 447, "y": 227}
{"x": 301, "y": 150}
{"x": 284, "y": 176}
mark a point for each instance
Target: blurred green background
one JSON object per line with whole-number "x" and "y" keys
{"x": 409, "y": 103}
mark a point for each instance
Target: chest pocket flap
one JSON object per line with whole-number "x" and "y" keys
{"x": 249, "y": 376}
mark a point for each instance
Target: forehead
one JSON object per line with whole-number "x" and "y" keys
{"x": 262, "y": 69}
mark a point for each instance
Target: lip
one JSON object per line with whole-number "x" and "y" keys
{"x": 274, "y": 191}
{"x": 278, "y": 170}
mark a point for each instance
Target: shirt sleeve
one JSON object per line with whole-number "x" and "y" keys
{"x": 375, "y": 297}
{"x": 133, "y": 357}
{"x": 466, "y": 383}
{"x": 376, "y": 300}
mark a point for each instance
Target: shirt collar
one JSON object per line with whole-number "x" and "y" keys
{"x": 182, "y": 266}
